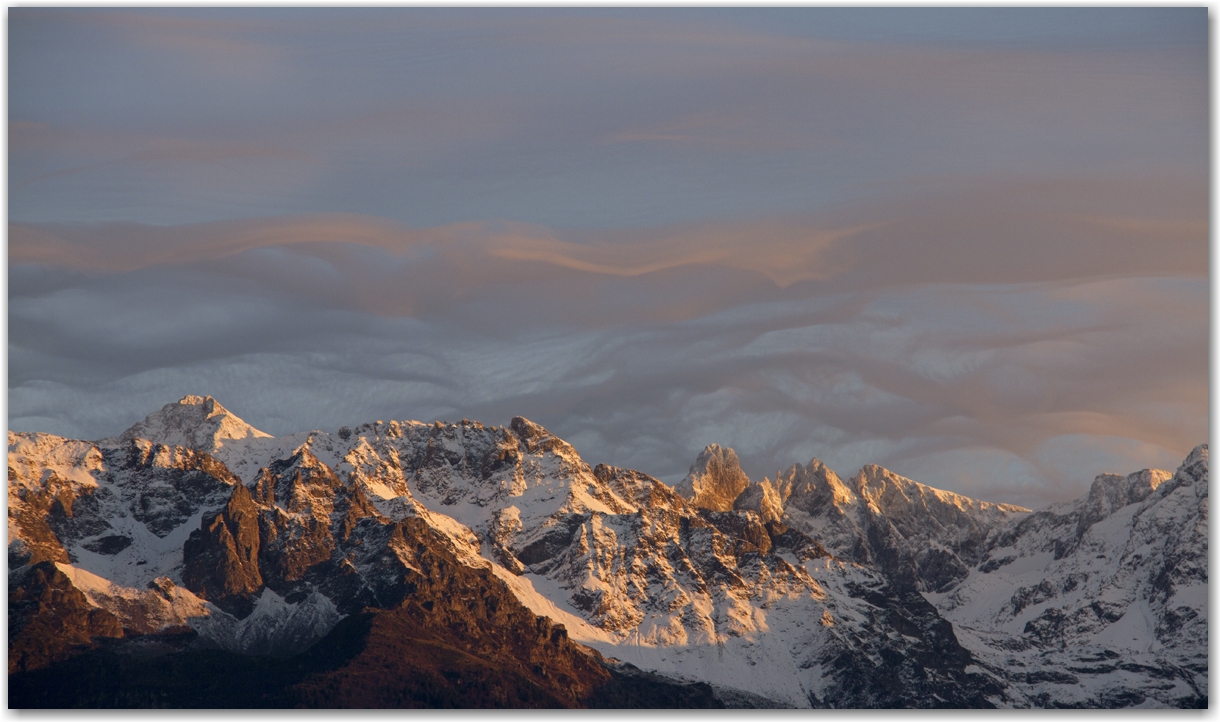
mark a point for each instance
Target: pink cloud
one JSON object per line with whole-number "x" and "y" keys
{"x": 979, "y": 232}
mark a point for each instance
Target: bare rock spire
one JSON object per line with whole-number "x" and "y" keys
{"x": 715, "y": 479}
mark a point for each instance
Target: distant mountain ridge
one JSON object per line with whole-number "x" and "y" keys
{"x": 199, "y": 423}
{"x": 805, "y": 590}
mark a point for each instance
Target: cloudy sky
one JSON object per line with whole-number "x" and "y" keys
{"x": 968, "y": 245}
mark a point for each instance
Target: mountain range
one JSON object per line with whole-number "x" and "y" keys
{"x": 195, "y": 561}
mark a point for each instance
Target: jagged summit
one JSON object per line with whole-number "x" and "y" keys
{"x": 887, "y": 491}
{"x": 534, "y": 438}
{"x": 196, "y": 422}
{"x": 1111, "y": 492}
{"x": 715, "y": 479}
{"x": 923, "y": 536}
{"x": 813, "y": 485}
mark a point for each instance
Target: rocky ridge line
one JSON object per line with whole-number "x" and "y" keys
{"x": 286, "y": 536}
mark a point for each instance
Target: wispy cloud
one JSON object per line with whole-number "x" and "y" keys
{"x": 850, "y": 380}
{"x": 784, "y": 252}
{"x": 1026, "y": 330}
{"x": 977, "y": 232}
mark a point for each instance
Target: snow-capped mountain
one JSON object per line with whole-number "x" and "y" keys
{"x": 917, "y": 535}
{"x": 198, "y": 423}
{"x": 1101, "y": 601}
{"x": 804, "y": 590}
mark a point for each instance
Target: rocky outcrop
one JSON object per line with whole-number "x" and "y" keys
{"x": 164, "y": 486}
{"x": 639, "y": 488}
{"x": 926, "y": 668}
{"x": 50, "y": 620}
{"x": 51, "y": 488}
{"x": 920, "y": 537}
{"x": 763, "y": 499}
{"x": 220, "y": 560}
{"x": 715, "y": 480}
{"x": 460, "y": 635}
{"x": 1111, "y": 492}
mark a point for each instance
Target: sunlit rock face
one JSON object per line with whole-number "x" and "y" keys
{"x": 918, "y": 536}
{"x": 804, "y": 590}
{"x": 715, "y": 480}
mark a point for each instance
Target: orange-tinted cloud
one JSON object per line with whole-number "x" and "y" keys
{"x": 783, "y": 252}
{"x": 986, "y": 232}
{"x": 117, "y": 247}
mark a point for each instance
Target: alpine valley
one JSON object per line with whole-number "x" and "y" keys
{"x": 194, "y": 561}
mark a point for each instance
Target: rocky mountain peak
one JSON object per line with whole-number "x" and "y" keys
{"x": 1197, "y": 455}
{"x": 638, "y": 488}
{"x": 812, "y": 487}
{"x": 1111, "y": 492}
{"x": 196, "y": 422}
{"x": 715, "y": 479}
{"x": 535, "y": 439}
{"x": 762, "y": 498}
{"x": 1115, "y": 491}
{"x": 874, "y": 480}
{"x": 891, "y": 494}
{"x": 298, "y": 483}
{"x": 221, "y": 557}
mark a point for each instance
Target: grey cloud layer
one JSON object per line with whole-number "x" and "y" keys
{"x": 967, "y": 244}
{"x": 564, "y": 119}
{"x": 851, "y": 385}
{"x": 982, "y": 231}
{"x": 956, "y": 332}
